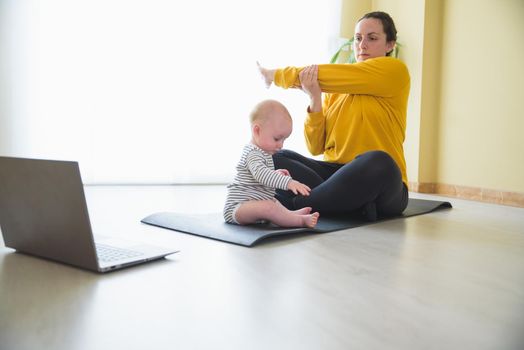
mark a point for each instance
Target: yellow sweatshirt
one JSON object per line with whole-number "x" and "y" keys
{"x": 364, "y": 109}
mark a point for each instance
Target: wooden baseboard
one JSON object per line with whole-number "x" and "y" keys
{"x": 515, "y": 199}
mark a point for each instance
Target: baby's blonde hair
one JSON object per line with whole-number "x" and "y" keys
{"x": 265, "y": 109}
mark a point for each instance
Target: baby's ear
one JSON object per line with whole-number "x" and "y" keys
{"x": 255, "y": 129}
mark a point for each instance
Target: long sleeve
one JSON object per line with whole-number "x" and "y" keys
{"x": 381, "y": 77}
{"x": 315, "y": 129}
{"x": 265, "y": 175}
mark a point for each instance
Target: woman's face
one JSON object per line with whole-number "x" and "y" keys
{"x": 370, "y": 40}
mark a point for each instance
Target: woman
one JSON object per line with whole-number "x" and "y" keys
{"x": 359, "y": 127}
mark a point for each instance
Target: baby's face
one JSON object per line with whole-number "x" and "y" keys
{"x": 273, "y": 132}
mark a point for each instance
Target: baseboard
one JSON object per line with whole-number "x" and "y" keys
{"x": 515, "y": 199}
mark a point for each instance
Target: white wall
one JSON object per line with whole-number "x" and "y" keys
{"x": 150, "y": 91}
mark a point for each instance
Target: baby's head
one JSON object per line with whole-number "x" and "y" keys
{"x": 271, "y": 124}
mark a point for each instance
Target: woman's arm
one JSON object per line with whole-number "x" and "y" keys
{"x": 309, "y": 84}
{"x": 315, "y": 124}
{"x": 315, "y": 133}
{"x": 384, "y": 77}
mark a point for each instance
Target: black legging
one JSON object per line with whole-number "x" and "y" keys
{"x": 372, "y": 183}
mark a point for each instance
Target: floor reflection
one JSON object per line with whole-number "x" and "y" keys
{"x": 40, "y": 298}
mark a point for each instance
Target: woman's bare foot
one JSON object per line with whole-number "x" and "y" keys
{"x": 311, "y": 220}
{"x": 303, "y": 211}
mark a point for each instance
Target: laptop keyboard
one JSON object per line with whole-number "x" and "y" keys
{"x": 108, "y": 253}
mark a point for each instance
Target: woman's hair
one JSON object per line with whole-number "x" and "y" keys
{"x": 387, "y": 24}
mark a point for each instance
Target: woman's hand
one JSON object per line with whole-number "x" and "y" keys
{"x": 310, "y": 85}
{"x": 298, "y": 188}
{"x": 267, "y": 74}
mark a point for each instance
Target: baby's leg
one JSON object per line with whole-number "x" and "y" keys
{"x": 305, "y": 217}
{"x": 252, "y": 211}
{"x": 305, "y": 210}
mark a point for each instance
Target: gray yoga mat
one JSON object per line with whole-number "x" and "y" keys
{"x": 213, "y": 225}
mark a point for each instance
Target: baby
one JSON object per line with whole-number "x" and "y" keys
{"x": 251, "y": 196}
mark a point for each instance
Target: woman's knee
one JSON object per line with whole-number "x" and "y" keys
{"x": 380, "y": 163}
{"x": 376, "y": 156}
{"x": 301, "y": 168}
{"x": 286, "y": 154}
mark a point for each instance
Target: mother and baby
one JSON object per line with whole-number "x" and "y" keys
{"x": 359, "y": 127}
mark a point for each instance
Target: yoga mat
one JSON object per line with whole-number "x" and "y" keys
{"x": 213, "y": 225}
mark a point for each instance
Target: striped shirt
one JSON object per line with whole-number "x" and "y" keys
{"x": 256, "y": 179}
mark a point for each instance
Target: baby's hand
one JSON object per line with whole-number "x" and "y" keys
{"x": 298, "y": 188}
{"x": 283, "y": 172}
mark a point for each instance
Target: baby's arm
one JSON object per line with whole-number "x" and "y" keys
{"x": 265, "y": 175}
{"x": 283, "y": 172}
{"x": 295, "y": 186}
{"x": 298, "y": 188}
{"x": 274, "y": 178}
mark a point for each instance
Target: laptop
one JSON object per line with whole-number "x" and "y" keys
{"x": 43, "y": 212}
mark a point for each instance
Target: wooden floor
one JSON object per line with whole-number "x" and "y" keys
{"x": 452, "y": 279}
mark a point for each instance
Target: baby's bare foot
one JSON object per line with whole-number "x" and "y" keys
{"x": 311, "y": 220}
{"x": 303, "y": 211}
